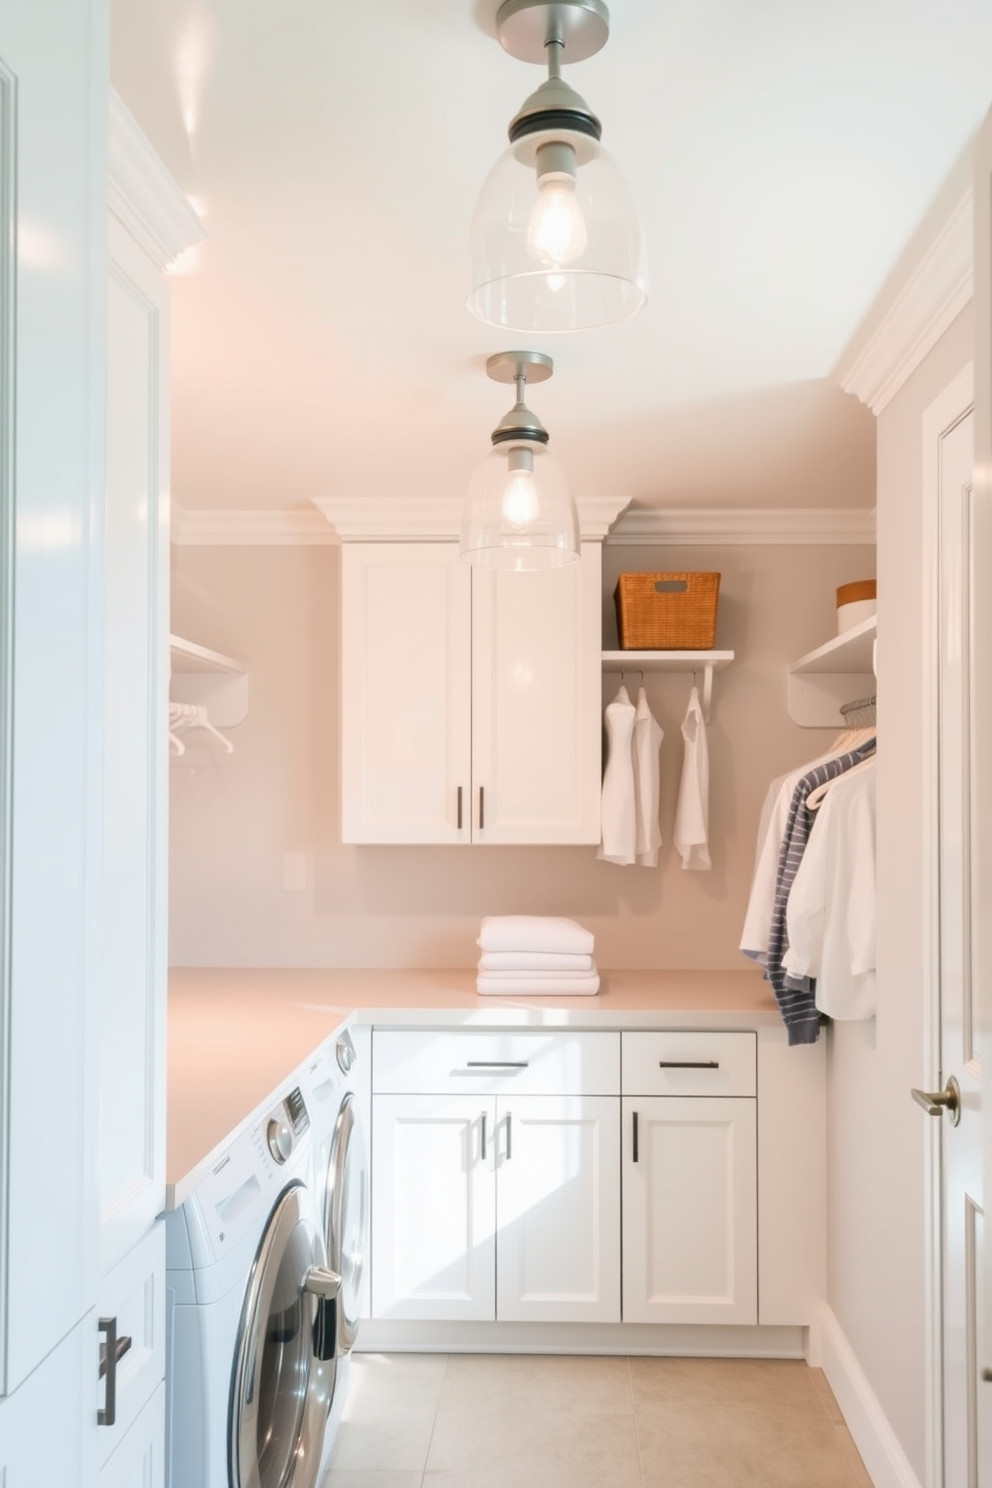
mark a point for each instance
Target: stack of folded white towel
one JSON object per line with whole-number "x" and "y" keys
{"x": 534, "y": 955}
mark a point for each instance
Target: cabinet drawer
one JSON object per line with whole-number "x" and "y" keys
{"x": 483, "y": 1063}
{"x": 688, "y": 1063}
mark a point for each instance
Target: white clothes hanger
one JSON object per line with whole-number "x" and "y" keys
{"x": 194, "y": 716}
{"x": 818, "y": 796}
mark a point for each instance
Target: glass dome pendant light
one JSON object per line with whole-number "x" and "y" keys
{"x": 555, "y": 244}
{"x": 519, "y": 513}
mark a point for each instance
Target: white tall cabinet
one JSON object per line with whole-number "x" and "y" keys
{"x": 83, "y": 545}
{"x": 470, "y": 699}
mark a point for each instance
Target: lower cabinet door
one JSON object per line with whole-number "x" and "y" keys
{"x": 138, "y": 1461}
{"x": 689, "y": 1210}
{"x": 558, "y": 1209}
{"x": 433, "y": 1207}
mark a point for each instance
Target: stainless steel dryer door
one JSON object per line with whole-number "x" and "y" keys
{"x": 346, "y": 1216}
{"x": 285, "y": 1360}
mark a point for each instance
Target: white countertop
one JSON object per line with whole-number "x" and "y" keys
{"x": 236, "y": 1035}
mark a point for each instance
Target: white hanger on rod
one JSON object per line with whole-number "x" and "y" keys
{"x": 194, "y": 716}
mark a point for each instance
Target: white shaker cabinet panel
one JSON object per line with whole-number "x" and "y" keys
{"x": 469, "y": 700}
{"x": 139, "y": 1461}
{"x": 558, "y": 1209}
{"x": 689, "y": 1210}
{"x": 135, "y": 783}
{"x": 433, "y": 1207}
{"x": 405, "y": 693}
{"x": 536, "y": 693}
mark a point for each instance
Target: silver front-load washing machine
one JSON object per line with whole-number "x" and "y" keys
{"x": 252, "y": 1314}
{"x": 337, "y": 1080}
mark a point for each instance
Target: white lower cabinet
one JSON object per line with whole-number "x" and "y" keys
{"x": 139, "y": 1460}
{"x": 496, "y": 1205}
{"x": 690, "y": 1174}
{"x": 132, "y": 1316}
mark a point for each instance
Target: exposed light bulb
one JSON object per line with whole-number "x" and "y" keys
{"x": 520, "y": 498}
{"x": 556, "y": 233}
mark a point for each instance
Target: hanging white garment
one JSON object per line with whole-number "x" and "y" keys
{"x": 831, "y": 912}
{"x": 648, "y": 736}
{"x": 691, "y": 834}
{"x": 618, "y": 815}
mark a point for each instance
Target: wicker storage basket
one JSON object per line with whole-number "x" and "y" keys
{"x": 667, "y": 611}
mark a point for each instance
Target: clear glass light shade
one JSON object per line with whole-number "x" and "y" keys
{"x": 559, "y": 255}
{"x": 519, "y": 513}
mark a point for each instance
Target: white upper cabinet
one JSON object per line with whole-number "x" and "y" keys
{"x": 470, "y": 700}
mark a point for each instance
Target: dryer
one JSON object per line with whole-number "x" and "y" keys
{"x": 337, "y": 1084}
{"x": 252, "y": 1313}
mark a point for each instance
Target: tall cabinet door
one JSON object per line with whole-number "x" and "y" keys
{"x": 536, "y": 677}
{"x": 405, "y": 693}
{"x": 690, "y": 1220}
{"x": 558, "y": 1209}
{"x": 433, "y": 1207}
{"x": 135, "y": 783}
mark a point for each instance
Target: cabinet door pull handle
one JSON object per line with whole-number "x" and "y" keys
{"x": 482, "y": 807}
{"x": 636, "y": 1155}
{"x": 688, "y": 1064}
{"x": 497, "y": 1064}
{"x": 509, "y": 1135}
{"x": 111, "y": 1352}
{"x": 459, "y": 808}
{"x": 483, "y": 1141}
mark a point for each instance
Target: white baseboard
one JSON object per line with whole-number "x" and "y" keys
{"x": 887, "y": 1463}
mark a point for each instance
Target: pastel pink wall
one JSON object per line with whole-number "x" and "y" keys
{"x": 234, "y": 817}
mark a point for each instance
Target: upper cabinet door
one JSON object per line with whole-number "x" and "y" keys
{"x": 536, "y": 680}
{"x": 405, "y": 693}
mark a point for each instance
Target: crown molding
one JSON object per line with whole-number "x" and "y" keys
{"x": 898, "y": 340}
{"x": 696, "y": 527}
{"x": 387, "y": 519}
{"x": 143, "y": 196}
{"x": 241, "y": 529}
{"x": 371, "y": 520}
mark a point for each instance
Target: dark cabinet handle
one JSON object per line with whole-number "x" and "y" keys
{"x": 482, "y": 807}
{"x": 635, "y": 1138}
{"x": 483, "y": 1144}
{"x": 688, "y": 1064}
{"x": 459, "y": 808}
{"x": 112, "y": 1352}
{"x": 509, "y": 1136}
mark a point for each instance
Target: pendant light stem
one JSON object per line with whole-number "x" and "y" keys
{"x": 553, "y": 48}
{"x": 521, "y": 381}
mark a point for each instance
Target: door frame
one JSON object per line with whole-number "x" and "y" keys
{"x": 946, "y": 411}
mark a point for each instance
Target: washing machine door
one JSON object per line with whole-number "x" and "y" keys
{"x": 346, "y": 1217}
{"x": 285, "y": 1357}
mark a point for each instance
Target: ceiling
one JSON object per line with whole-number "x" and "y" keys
{"x": 781, "y": 154}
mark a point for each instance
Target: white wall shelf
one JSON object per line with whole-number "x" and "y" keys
{"x": 838, "y": 672}
{"x": 200, "y": 675}
{"x": 706, "y": 662}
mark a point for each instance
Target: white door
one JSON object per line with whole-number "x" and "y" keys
{"x": 981, "y": 732}
{"x": 536, "y": 697}
{"x": 690, "y": 1213}
{"x": 406, "y": 708}
{"x": 433, "y": 1207}
{"x": 558, "y": 1209}
{"x": 949, "y": 429}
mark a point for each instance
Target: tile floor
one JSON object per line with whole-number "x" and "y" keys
{"x": 522, "y": 1421}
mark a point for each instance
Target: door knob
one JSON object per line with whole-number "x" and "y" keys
{"x": 936, "y": 1103}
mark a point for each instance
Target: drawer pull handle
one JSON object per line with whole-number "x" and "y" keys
{"x": 482, "y": 808}
{"x": 509, "y": 1135}
{"x": 483, "y": 1141}
{"x": 459, "y": 808}
{"x": 111, "y": 1353}
{"x": 497, "y": 1064}
{"x": 688, "y": 1064}
{"x": 636, "y": 1148}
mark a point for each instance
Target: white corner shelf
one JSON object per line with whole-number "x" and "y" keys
{"x": 706, "y": 662}
{"x": 200, "y": 675}
{"x": 838, "y": 672}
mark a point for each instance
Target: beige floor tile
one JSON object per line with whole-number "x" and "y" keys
{"x": 516, "y": 1382}
{"x": 370, "y": 1478}
{"x": 740, "y": 1446}
{"x": 410, "y": 1381}
{"x": 827, "y": 1396}
{"x": 853, "y": 1456}
{"x": 490, "y": 1449}
{"x": 396, "y": 1439}
{"x": 657, "y": 1383}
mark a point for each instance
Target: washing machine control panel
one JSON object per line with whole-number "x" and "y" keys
{"x": 282, "y": 1131}
{"x": 279, "y": 1135}
{"x": 345, "y": 1053}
